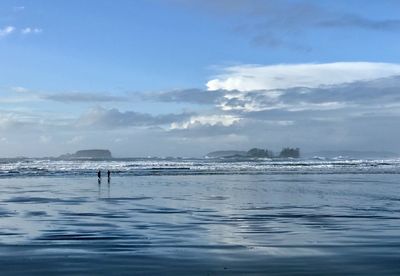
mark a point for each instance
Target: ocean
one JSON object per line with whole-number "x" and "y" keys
{"x": 200, "y": 216}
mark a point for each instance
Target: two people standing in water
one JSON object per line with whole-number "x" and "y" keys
{"x": 108, "y": 176}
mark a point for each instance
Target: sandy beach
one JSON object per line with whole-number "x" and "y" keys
{"x": 200, "y": 224}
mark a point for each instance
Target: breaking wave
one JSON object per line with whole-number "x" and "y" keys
{"x": 123, "y": 167}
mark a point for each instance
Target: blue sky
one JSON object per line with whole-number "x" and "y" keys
{"x": 163, "y": 71}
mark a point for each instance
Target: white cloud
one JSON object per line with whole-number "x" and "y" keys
{"x": 283, "y": 76}
{"x": 99, "y": 117}
{"x": 25, "y": 31}
{"x": 379, "y": 95}
{"x": 212, "y": 120}
{"x": 30, "y": 30}
{"x": 6, "y": 31}
{"x": 19, "y": 89}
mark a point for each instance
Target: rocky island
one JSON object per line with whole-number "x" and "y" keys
{"x": 88, "y": 154}
{"x": 256, "y": 153}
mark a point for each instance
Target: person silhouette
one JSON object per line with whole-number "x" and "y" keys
{"x": 99, "y": 174}
{"x": 108, "y": 176}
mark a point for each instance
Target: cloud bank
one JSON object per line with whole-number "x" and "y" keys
{"x": 342, "y": 105}
{"x": 256, "y": 77}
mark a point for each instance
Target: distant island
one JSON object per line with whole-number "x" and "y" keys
{"x": 255, "y": 153}
{"x": 88, "y": 154}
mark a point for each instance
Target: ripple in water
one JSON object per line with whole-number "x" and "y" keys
{"x": 204, "y": 224}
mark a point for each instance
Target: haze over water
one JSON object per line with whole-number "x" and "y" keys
{"x": 330, "y": 221}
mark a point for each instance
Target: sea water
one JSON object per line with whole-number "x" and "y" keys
{"x": 200, "y": 216}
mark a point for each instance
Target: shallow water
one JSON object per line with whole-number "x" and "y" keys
{"x": 206, "y": 224}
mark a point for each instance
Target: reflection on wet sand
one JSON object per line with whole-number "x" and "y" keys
{"x": 280, "y": 224}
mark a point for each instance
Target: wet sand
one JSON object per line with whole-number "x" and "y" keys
{"x": 202, "y": 224}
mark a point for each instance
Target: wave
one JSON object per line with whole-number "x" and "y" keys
{"x": 47, "y": 167}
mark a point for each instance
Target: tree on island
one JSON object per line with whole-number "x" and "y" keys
{"x": 285, "y": 153}
{"x": 256, "y": 152}
{"x": 290, "y": 152}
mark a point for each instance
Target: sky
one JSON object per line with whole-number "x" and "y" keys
{"x": 186, "y": 77}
